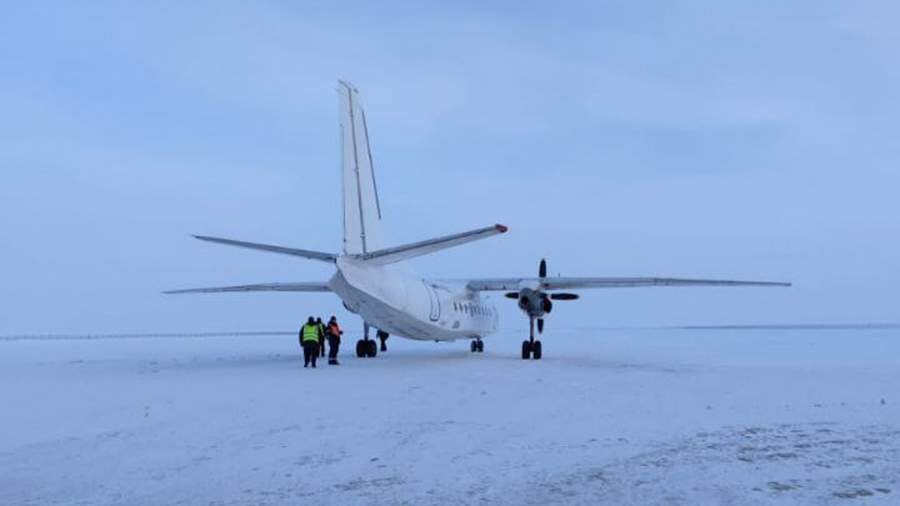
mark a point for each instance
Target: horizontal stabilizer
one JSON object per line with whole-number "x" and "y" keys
{"x": 407, "y": 251}
{"x": 559, "y": 283}
{"x": 312, "y": 255}
{"x": 263, "y": 287}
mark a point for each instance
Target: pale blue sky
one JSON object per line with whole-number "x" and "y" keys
{"x": 696, "y": 139}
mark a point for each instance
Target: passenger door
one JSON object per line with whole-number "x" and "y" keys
{"x": 435, "y": 313}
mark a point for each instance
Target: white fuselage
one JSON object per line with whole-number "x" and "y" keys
{"x": 398, "y": 302}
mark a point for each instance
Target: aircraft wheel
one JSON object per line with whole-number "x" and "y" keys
{"x": 372, "y": 350}
{"x": 480, "y": 346}
{"x": 536, "y": 350}
{"x": 526, "y": 350}
{"x": 360, "y": 348}
{"x": 473, "y": 346}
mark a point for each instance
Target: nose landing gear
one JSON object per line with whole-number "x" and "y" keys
{"x": 531, "y": 349}
{"x": 477, "y": 346}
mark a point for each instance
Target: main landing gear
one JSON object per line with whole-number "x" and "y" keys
{"x": 382, "y": 336}
{"x": 531, "y": 349}
{"x": 366, "y": 347}
{"x": 477, "y": 346}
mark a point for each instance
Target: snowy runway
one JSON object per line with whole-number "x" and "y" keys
{"x": 609, "y": 416}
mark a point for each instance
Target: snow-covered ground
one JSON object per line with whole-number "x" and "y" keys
{"x": 608, "y": 417}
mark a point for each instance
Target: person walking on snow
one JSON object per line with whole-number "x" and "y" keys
{"x": 310, "y": 337}
{"x": 322, "y": 334}
{"x": 334, "y": 340}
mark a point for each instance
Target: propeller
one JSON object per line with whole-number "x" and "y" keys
{"x": 537, "y": 303}
{"x": 548, "y": 306}
{"x": 542, "y": 273}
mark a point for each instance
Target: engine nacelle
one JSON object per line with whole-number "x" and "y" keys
{"x": 534, "y": 302}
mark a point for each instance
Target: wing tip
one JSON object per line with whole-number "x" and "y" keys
{"x": 784, "y": 284}
{"x": 772, "y": 284}
{"x": 347, "y": 85}
{"x": 501, "y": 228}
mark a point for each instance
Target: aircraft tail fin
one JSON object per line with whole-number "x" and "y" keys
{"x": 362, "y": 209}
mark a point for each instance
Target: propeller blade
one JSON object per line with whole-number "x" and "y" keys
{"x": 512, "y": 295}
{"x": 564, "y": 296}
{"x": 542, "y": 271}
{"x": 540, "y": 325}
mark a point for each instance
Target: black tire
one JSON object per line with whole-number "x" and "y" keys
{"x": 536, "y": 350}
{"x": 480, "y": 347}
{"x": 360, "y": 349}
{"x": 526, "y": 350}
{"x": 473, "y": 346}
{"x": 373, "y": 349}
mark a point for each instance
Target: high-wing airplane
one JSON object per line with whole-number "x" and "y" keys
{"x": 372, "y": 281}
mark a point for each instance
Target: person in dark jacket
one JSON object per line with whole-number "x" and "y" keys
{"x": 334, "y": 340}
{"x": 310, "y": 337}
{"x": 322, "y": 334}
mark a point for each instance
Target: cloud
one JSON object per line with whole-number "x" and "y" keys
{"x": 647, "y": 138}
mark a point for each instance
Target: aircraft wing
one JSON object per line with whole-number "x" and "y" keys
{"x": 263, "y": 287}
{"x": 560, "y": 283}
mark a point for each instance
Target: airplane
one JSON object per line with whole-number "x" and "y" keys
{"x": 372, "y": 281}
